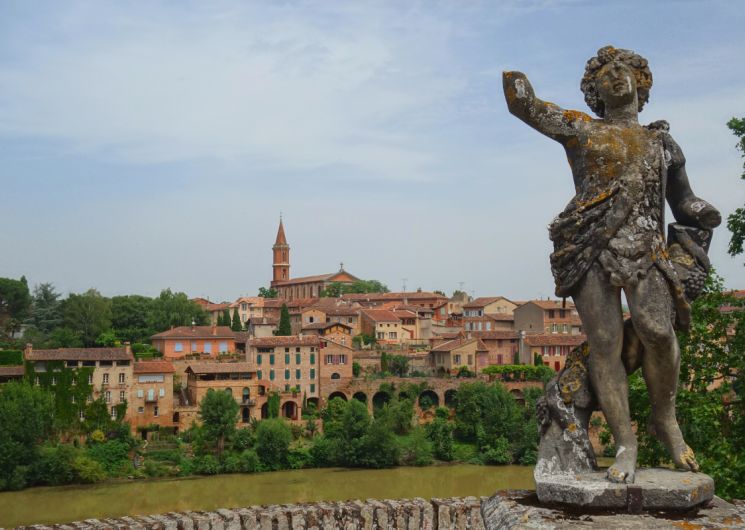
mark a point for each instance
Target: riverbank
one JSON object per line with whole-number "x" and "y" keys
{"x": 49, "y": 505}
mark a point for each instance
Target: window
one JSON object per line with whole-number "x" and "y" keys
{"x": 312, "y": 358}
{"x": 113, "y": 413}
{"x": 81, "y": 415}
{"x": 121, "y": 379}
{"x": 258, "y": 358}
{"x": 335, "y": 376}
{"x": 193, "y": 346}
{"x": 287, "y": 374}
{"x": 287, "y": 358}
{"x": 162, "y": 392}
{"x": 271, "y": 358}
{"x": 565, "y": 328}
{"x": 342, "y": 359}
{"x": 312, "y": 348}
{"x": 155, "y": 410}
{"x": 121, "y": 396}
{"x": 456, "y": 358}
{"x": 392, "y": 334}
{"x": 105, "y": 379}
{"x": 258, "y": 374}
{"x": 550, "y": 313}
{"x": 287, "y": 388}
{"x": 554, "y": 328}
{"x": 297, "y": 373}
{"x": 310, "y": 320}
{"x": 54, "y": 380}
{"x": 140, "y": 410}
{"x": 140, "y": 393}
{"x": 329, "y": 359}
{"x": 380, "y": 335}
{"x": 207, "y": 347}
{"x": 223, "y": 346}
{"x": 470, "y": 359}
{"x": 499, "y": 359}
{"x": 271, "y": 375}
{"x": 297, "y": 358}
{"x": 297, "y": 350}
{"x": 150, "y": 394}
{"x": 312, "y": 373}
{"x": 178, "y": 347}
{"x": 312, "y": 388}
{"x": 488, "y": 326}
{"x": 90, "y": 379}
{"x": 349, "y": 320}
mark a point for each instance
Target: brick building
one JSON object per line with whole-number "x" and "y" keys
{"x": 151, "y": 398}
{"x": 191, "y": 340}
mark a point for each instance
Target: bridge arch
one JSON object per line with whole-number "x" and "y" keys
{"x": 451, "y": 398}
{"x": 337, "y": 394}
{"x": 360, "y": 396}
{"x": 428, "y": 399}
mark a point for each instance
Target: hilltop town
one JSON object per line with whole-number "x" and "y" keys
{"x": 334, "y": 342}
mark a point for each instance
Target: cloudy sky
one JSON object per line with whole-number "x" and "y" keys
{"x": 149, "y": 144}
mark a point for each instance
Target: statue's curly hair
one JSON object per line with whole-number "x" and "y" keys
{"x": 636, "y": 62}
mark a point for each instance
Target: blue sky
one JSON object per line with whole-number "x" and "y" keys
{"x": 147, "y": 145}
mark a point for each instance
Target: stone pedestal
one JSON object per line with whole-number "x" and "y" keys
{"x": 653, "y": 489}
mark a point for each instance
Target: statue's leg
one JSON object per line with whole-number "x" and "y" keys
{"x": 599, "y": 306}
{"x": 652, "y": 314}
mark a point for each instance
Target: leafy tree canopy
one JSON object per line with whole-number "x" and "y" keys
{"x": 284, "y": 329}
{"x": 15, "y": 304}
{"x": 268, "y": 292}
{"x": 736, "y": 220}
{"x": 89, "y": 314}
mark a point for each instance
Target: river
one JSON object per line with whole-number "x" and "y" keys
{"x": 141, "y": 497}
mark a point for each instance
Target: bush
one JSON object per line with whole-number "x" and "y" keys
{"x": 242, "y": 439}
{"x": 87, "y": 470}
{"x": 11, "y": 357}
{"x": 249, "y": 462}
{"x": 55, "y": 465}
{"x": 398, "y": 414}
{"x": 356, "y": 369}
{"x": 323, "y": 452}
{"x": 440, "y": 432}
{"x": 299, "y": 457}
{"x": 172, "y": 456}
{"x": 17, "y": 480}
{"x": 297, "y": 430}
{"x": 231, "y": 464}
{"x": 112, "y": 455}
{"x": 498, "y": 452}
{"x": 273, "y": 438}
{"x": 416, "y": 450}
{"x": 154, "y": 468}
{"x": 379, "y": 447}
{"x": 206, "y": 465}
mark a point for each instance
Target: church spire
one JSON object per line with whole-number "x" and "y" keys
{"x": 281, "y": 253}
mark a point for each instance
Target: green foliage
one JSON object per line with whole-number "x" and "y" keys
{"x": 336, "y": 289}
{"x": 235, "y": 323}
{"x": 398, "y": 414}
{"x": 353, "y": 425}
{"x": 46, "y": 314}
{"x": 249, "y": 462}
{"x": 242, "y": 439}
{"x": 112, "y": 455}
{"x": 88, "y": 470}
{"x": 11, "y": 357}
{"x": 175, "y": 309}
{"x": 736, "y": 220}
{"x": 273, "y": 438}
{"x": 268, "y": 292}
{"x": 108, "y": 339}
{"x": 26, "y": 418}
{"x": 398, "y": 365}
{"x": 416, "y": 449}
{"x": 89, "y": 314}
{"x": 15, "y": 304}
{"x": 496, "y": 451}
{"x": 64, "y": 337}
{"x": 711, "y": 391}
{"x": 131, "y": 317}
{"x": 356, "y": 368}
{"x": 440, "y": 432}
{"x": 363, "y": 340}
{"x": 219, "y": 412}
{"x": 520, "y": 372}
{"x": 55, "y": 465}
{"x": 70, "y": 389}
{"x": 379, "y": 446}
{"x": 206, "y": 465}
{"x": 272, "y": 405}
{"x": 284, "y": 328}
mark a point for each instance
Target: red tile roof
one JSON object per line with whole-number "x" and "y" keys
{"x": 381, "y": 315}
{"x": 80, "y": 354}
{"x": 153, "y": 367}
{"x": 554, "y": 339}
{"x": 484, "y": 301}
{"x": 325, "y": 325}
{"x": 495, "y": 335}
{"x": 291, "y": 340}
{"x": 196, "y": 332}
{"x": 381, "y": 297}
{"x": 12, "y": 371}
{"x": 281, "y": 239}
{"x": 501, "y": 317}
{"x": 457, "y": 343}
{"x": 551, "y": 304}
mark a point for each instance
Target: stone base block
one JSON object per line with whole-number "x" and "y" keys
{"x": 654, "y": 489}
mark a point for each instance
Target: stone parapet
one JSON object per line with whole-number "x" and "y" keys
{"x": 506, "y": 510}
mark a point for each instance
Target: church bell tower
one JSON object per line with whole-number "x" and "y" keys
{"x": 281, "y": 251}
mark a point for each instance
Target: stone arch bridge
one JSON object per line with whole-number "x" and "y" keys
{"x": 432, "y": 392}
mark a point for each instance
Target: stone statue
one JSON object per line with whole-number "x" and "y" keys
{"x": 610, "y": 238}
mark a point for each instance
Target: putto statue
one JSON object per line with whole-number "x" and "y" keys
{"x": 609, "y": 238}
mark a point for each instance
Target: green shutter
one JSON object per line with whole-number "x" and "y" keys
{"x": 312, "y": 388}
{"x": 312, "y": 358}
{"x": 312, "y": 373}
{"x": 297, "y": 358}
{"x": 297, "y": 373}
{"x": 287, "y": 374}
{"x": 287, "y": 358}
{"x": 258, "y": 360}
{"x": 271, "y": 375}
{"x": 258, "y": 374}
{"x": 271, "y": 358}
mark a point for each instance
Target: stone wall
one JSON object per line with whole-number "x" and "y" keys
{"x": 505, "y": 510}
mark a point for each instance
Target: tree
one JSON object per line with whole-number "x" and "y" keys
{"x": 224, "y": 318}
{"x": 268, "y": 292}
{"x": 284, "y": 329}
{"x": 15, "y": 304}
{"x": 736, "y": 220}
{"x": 485, "y": 413}
{"x": 235, "y": 324}
{"x": 26, "y": 415}
{"x": 398, "y": 365}
{"x": 219, "y": 412}
{"x": 175, "y": 309}
{"x": 711, "y": 391}
{"x": 273, "y": 438}
{"x": 131, "y": 317}
{"x": 88, "y": 314}
{"x": 45, "y": 308}
{"x": 336, "y": 289}
{"x": 441, "y": 293}
{"x": 440, "y": 432}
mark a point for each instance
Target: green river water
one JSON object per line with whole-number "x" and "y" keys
{"x": 142, "y": 497}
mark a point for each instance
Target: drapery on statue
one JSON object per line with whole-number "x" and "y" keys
{"x": 610, "y": 238}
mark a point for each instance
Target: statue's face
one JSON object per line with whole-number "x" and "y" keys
{"x": 616, "y": 84}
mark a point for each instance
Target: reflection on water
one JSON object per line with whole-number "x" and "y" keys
{"x": 73, "y": 503}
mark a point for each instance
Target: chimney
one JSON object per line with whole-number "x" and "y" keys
{"x": 193, "y": 325}
{"x": 127, "y": 348}
{"x": 214, "y": 329}
{"x": 29, "y": 349}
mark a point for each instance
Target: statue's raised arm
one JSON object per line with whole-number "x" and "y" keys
{"x": 543, "y": 116}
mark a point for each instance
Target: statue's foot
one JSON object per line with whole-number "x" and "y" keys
{"x": 623, "y": 469}
{"x": 671, "y": 437}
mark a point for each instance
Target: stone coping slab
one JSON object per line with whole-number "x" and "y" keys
{"x": 654, "y": 489}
